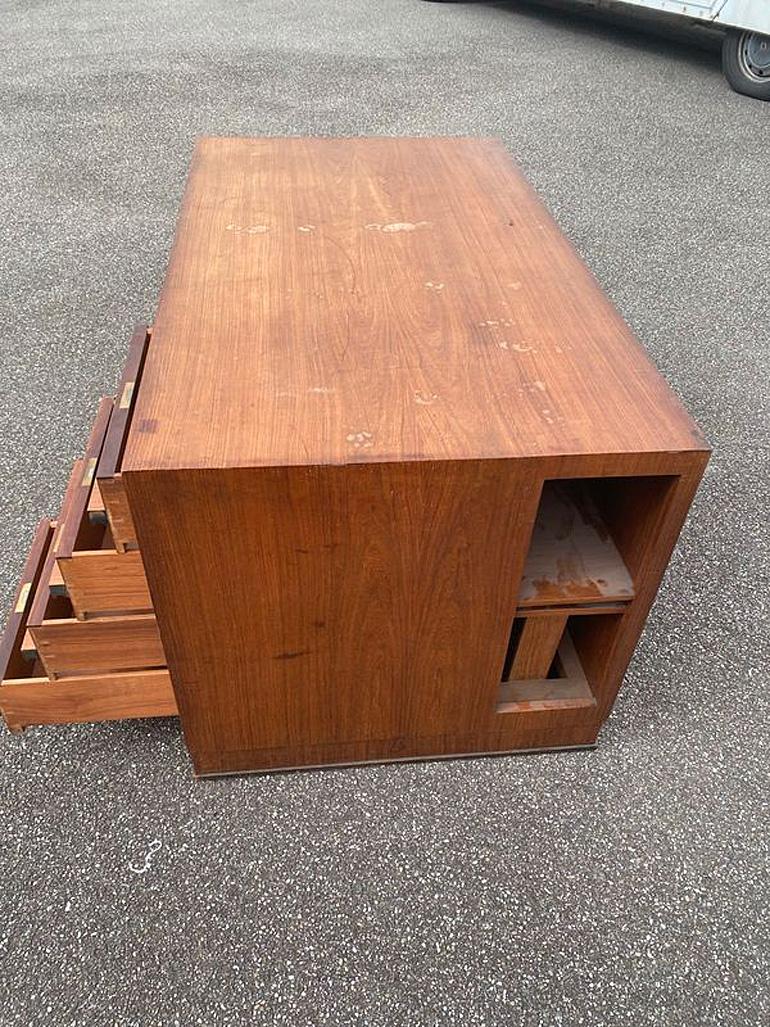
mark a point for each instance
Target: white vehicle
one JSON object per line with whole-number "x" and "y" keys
{"x": 746, "y": 45}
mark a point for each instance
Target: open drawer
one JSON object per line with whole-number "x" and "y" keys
{"x": 99, "y": 575}
{"x": 65, "y": 644}
{"x": 29, "y": 694}
{"x": 110, "y": 485}
{"x": 86, "y": 566}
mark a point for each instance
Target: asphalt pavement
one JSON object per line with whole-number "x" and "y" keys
{"x": 624, "y": 886}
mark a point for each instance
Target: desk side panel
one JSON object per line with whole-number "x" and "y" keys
{"x": 324, "y": 610}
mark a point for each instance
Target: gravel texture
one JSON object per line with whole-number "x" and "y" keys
{"x": 628, "y": 885}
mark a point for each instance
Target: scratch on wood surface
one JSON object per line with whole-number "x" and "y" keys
{"x": 248, "y": 229}
{"x": 396, "y": 226}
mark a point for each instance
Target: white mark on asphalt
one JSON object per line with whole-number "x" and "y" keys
{"x": 155, "y": 844}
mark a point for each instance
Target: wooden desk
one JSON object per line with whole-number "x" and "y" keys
{"x": 401, "y": 479}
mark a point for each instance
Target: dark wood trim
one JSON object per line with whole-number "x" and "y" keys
{"x": 117, "y": 430}
{"x": 12, "y": 663}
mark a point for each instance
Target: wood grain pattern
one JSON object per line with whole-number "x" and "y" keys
{"x": 370, "y": 358}
{"x": 75, "y": 529}
{"x": 570, "y": 690}
{"x": 27, "y": 697}
{"x": 71, "y": 646}
{"x": 329, "y": 551}
{"x": 72, "y": 495}
{"x": 570, "y": 610}
{"x": 356, "y": 603}
{"x": 105, "y": 581}
{"x": 537, "y": 645}
{"x": 359, "y": 300}
{"x": 34, "y": 701}
{"x": 108, "y": 476}
{"x": 12, "y": 662}
{"x": 122, "y": 410}
{"x": 96, "y": 577}
{"x": 646, "y": 538}
{"x": 118, "y": 512}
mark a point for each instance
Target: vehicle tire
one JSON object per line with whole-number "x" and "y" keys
{"x": 746, "y": 63}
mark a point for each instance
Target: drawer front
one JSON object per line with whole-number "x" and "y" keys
{"x": 65, "y": 645}
{"x": 97, "y": 577}
{"x": 35, "y": 700}
{"x": 108, "y": 470}
{"x": 96, "y": 580}
{"x": 12, "y": 662}
{"x": 105, "y": 581}
{"x": 70, "y": 646}
{"x": 29, "y": 695}
{"x": 43, "y": 604}
{"x": 118, "y": 512}
{"x": 75, "y": 530}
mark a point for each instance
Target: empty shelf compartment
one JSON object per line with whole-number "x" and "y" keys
{"x": 572, "y": 558}
{"x": 564, "y": 688}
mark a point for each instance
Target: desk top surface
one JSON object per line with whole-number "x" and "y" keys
{"x": 333, "y": 301}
